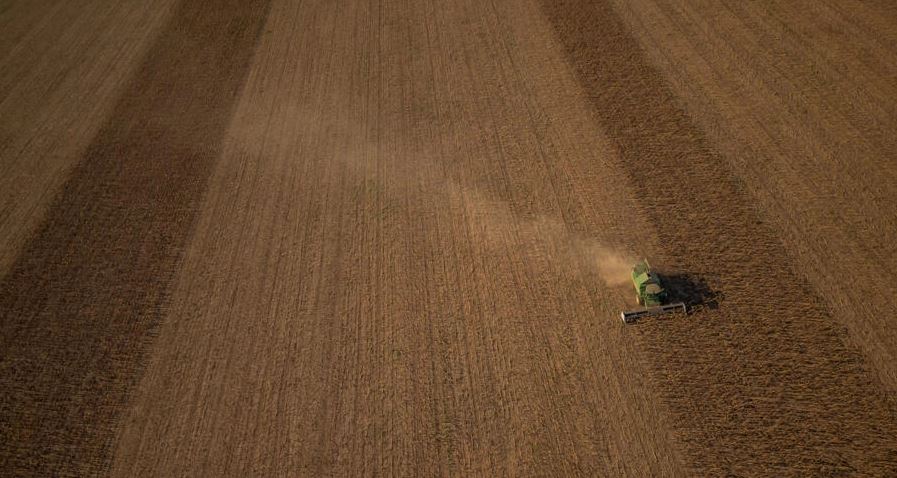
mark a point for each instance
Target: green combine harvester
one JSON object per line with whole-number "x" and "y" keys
{"x": 650, "y": 293}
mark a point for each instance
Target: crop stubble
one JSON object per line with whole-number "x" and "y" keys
{"x": 798, "y": 98}
{"x": 62, "y": 67}
{"x": 80, "y": 302}
{"x": 415, "y": 307}
{"x": 392, "y": 264}
{"x": 768, "y": 380}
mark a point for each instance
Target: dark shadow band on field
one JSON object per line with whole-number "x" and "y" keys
{"x": 80, "y": 305}
{"x": 765, "y": 379}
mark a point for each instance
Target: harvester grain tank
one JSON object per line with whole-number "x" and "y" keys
{"x": 651, "y": 294}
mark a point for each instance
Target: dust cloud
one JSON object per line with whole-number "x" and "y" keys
{"x": 493, "y": 223}
{"x": 496, "y": 224}
{"x": 613, "y": 266}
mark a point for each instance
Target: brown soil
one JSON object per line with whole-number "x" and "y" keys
{"x": 770, "y": 361}
{"x": 64, "y": 65}
{"x": 357, "y": 238}
{"x": 81, "y": 301}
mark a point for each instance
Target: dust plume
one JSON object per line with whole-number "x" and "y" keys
{"x": 496, "y": 224}
{"x": 493, "y": 223}
{"x": 613, "y": 266}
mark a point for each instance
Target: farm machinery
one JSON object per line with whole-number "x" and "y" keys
{"x": 650, "y": 294}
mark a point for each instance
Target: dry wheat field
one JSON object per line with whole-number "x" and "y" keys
{"x": 393, "y": 237}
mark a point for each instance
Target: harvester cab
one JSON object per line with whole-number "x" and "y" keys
{"x": 650, "y": 293}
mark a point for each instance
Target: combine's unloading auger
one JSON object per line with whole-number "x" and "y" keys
{"x": 649, "y": 292}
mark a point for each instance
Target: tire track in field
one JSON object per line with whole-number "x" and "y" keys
{"x": 766, "y": 382}
{"x": 82, "y": 300}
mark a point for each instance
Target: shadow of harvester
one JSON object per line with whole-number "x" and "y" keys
{"x": 692, "y": 290}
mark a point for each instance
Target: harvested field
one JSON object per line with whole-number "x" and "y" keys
{"x": 393, "y": 238}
